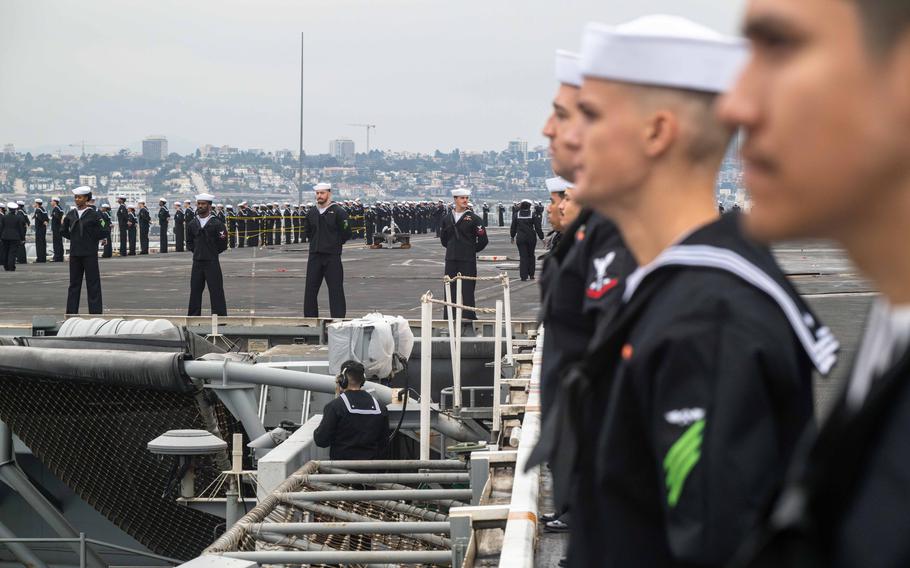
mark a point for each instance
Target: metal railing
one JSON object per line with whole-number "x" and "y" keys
{"x": 83, "y": 543}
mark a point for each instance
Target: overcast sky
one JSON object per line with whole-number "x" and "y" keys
{"x": 430, "y": 74}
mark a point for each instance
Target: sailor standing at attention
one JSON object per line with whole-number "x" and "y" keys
{"x": 84, "y": 227}
{"x": 122, "y": 223}
{"x": 145, "y": 225}
{"x": 178, "y": 227}
{"x": 327, "y": 229}
{"x": 107, "y": 250}
{"x": 526, "y": 229}
{"x": 131, "y": 222}
{"x": 41, "y": 221}
{"x": 12, "y": 234}
{"x": 206, "y": 238}
{"x": 164, "y": 216}
{"x": 692, "y": 400}
{"x": 56, "y": 225}
{"x": 463, "y": 235}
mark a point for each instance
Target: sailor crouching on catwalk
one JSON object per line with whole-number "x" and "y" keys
{"x": 689, "y": 405}
{"x": 355, "y": 426}
{"x": 206, "y": 238}
{"x": 526, "y": 230}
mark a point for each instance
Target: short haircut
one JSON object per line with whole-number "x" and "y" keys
{"x": 705, "y": 138}
{"x": 354, "y": 372}
{"x": 884, "y": 21}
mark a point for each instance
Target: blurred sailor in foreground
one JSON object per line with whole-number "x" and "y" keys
{"x": 690, "y": 403}
{"x": 825, "y": 110}
{"x": 85, "y": 228}
{"x": 328, "y": 229}
{"x": 355, "y": 426}
{"x": 206, "y": 238}
{"x": 463, "y": 235}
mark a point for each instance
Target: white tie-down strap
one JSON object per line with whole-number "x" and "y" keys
{"x": 352, "y": 410}
{"x": 820, "y": 344}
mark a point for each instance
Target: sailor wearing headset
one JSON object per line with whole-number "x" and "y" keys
{"x": 355, "y": 426}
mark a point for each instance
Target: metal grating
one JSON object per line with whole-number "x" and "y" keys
{"x": 93, "y": 438}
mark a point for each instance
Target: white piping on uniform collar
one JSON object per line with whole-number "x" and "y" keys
{"x": 821, "y": 349}
{"x": 352, "y": 410}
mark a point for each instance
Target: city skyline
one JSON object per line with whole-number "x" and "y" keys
{"x": 466, "y": 75}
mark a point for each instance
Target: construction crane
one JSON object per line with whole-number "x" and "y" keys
{"x": 368, "y": 127}
{"x": 82, "y": 144}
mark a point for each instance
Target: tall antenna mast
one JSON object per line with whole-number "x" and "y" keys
{"x": 300, "y": 154}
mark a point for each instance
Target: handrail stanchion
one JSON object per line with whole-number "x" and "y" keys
{"x": 426, "y": 363}
{"x": 457, "y": 355}
{"x": 497, "y": 373}
{"x": 507, "y": 304}
{"x": 456, "y": 375}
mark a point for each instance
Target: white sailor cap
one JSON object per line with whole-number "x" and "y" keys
{"x": 39, "y": 201}
{"x": 12, "y": 205}
{"x": 568, "y": 71}
{"x": 219, "y": 205}
{"x": 57, "y": 199}
{"x": 243, "y": 203}
{"x": 322, "y": 187}
{"x": 105, "y": 205}
{"x": 119, "y": 196}
{"x": 162, "y": 200}
{"x": 461, "y": 192}
{"x": 662, "y": 51}
{"x": 557, "y": 184}
{"x": 82, "y": 190}
{"x": 205, "y": 197}
{"x": 20, "y": 203}
{"x": 187, "y": 201}
{"x": 229, "y": 206}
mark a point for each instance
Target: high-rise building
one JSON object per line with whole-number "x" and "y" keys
{"x": 154, "y": 148}
{"x": 519, "y": 148}
{"x": 342, "y": 150}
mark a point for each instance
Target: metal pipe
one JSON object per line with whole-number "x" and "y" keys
{"x": 497, "y": 371}
{"x": 456, "y": 377}
{"x": 507, "y": 303}
{"x": 20, "y": 483}
{"x": 394, "y": 506}
{"x": 426, "y": 364}
{"x": 22, "y": 552}
{"x": 450, "y": 315}
{"x": 379, "y": 495}
{"x": 375, "y": 527}
{"x": 443, "y": 557}
{"x": 384, "y": 487}
{"x": 394, "y": 464}
{"x": 374, "y": 478}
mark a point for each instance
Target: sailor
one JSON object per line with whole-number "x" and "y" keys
{"x": 526, "y": 229}
{"x": 288, "y": 223}
{"x": 720, "y": 207}
{"x": 164, "y": 217}
{"x": 463, "y": 235}
{"x": 188, "y": 212}
{"x": 369, "y": 220}
{"x": 122, "y": 224}
{"x": 501, "y": 211}
{"x": 826, "y": 157}
{"x": 231, "y": 219}
{"x": 327, "y": 230}
{"x": 652, "y": 421}
{"x": 179, "y": 232}
{"x": 41, "y": 221}
{"x": 56, "y": 225}
{"x": 12, "y": 235}
{"x": 355, "y": 426}
{"x": 206, "y": 238}
{"x": 145, "y": 225}
{"x": 554, "y": 216}
{"x": 21, "y": 257}
{"x": 295, "y": 223}
{"x": 131, "y": 222}
{"x": 242, "y": 214}
{"x": 107, "y": 250}
{"x": 85, "y": 228}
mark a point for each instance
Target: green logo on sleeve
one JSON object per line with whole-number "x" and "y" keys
{"x": 680, "y": 460}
